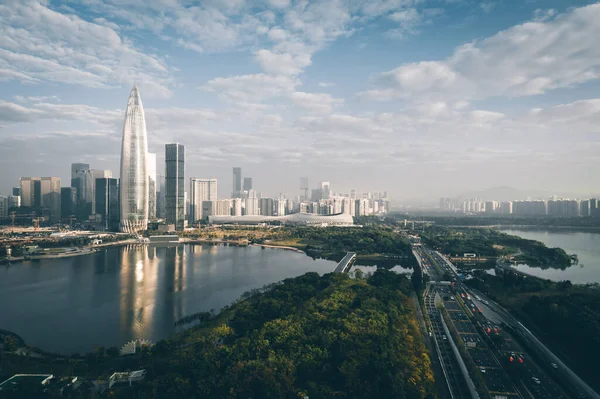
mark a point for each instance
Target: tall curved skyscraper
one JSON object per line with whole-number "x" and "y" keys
{"x": 134, "y": 170}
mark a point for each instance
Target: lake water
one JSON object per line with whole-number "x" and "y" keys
{"x": 585, "y": 244}
{"x": 123, "y": 293}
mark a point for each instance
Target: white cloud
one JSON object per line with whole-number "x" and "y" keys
{"x": 282, "y": 63}
{"x": 315, "y": 102}
{"x": 257, "y": 87}
{"x": 326, "y": 84}
{"x": 527, "y": 59}
{"x": 39, "y": 44}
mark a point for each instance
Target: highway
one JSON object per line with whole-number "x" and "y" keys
{"x": 528, "y": 387}
{"x": 454, "y": 377}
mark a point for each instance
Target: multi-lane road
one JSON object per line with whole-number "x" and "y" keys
{"x": 531, "y": 378}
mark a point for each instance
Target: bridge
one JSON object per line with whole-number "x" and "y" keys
{"x": 346, "y": 263}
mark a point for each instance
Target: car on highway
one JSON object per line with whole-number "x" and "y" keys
{"x": 554, "y": 365}
{"x": 536, "y": 380}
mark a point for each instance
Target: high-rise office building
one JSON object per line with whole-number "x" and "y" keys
{"x": 237, "y": 182}
{"x": 304, "y": 187}
{"x": 79, "y": 172}
{"x": 201, "y": 190}
{"x": 3, "y": 206}
{"x": 266, "y": 206}
{"x": 107, "y": 203}
{"x": 42, "y": 194}
{"x": 247, "y": 184}
{"x": 94, "y": 175}
{"x": 14, "y": 201}
{"x": 16, "y": 191}
{"x": 134, "y": 167}
{"x": 174, "y": 185}
{"x": 160, "y": 197}
{"x": 68, "y": 202}
{"x": 325, "y": 190}
{"x": 151, "y": 159}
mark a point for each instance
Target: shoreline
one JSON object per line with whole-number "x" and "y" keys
{"x": 279, "y": 247}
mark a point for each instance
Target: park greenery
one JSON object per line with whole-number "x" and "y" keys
{"x": 483, "y": 242}
{"x": 321, "y": 337}
{"x": 334, "y": 242}
{"x": 562, "y": 314}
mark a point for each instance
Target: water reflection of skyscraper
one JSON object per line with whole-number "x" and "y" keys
{"x": 138, "y": 291}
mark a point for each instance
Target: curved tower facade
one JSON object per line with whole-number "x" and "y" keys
{"x": 134, "y": 169}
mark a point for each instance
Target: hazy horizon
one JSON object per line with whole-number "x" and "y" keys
{"x": 420, "y": 99}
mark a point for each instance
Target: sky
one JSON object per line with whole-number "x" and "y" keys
{"x": 419, "y": 98}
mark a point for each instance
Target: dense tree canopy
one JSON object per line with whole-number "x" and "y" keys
{"x": 321, "y": 337}
{"x": 490, "y": 242}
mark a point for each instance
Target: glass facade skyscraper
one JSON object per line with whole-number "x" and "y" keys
{"x": 134, "y": 184}
{"x": 174, "y": 185}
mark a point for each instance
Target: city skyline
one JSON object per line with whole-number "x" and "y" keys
{"x": 423, "y": 98}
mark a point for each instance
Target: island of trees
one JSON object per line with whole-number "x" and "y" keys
{"x": 493, "y": 243}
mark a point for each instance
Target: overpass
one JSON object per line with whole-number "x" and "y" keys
{"x": 346, "y": 263}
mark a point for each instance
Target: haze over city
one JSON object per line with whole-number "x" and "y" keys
{"x": 417, "y": 98}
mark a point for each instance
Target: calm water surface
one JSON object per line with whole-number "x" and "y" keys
{"x": 123, "y": 293}
{"x": 583, "y": 243}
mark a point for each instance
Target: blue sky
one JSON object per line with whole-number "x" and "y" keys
{"x": 420, "y": 98}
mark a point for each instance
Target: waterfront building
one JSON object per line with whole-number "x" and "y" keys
{"x": 201, "y": 190}
{"x": 42, "y": 194}
{"x": 174, "y": 185}
{"x": 237, "y": 182}
{"x": 563, "y": 208}
{"x": 134, "y": 186}
{"x": 160, "y": 197}
{"x": 506, "y": 207}
{"x": 529, "y": 208}
{"x": 151, "y": 160}
{"x": 68, "y": 202}
{"x": 584, "y": 207}
{"x": 490, "y": 206}
{"x": 107, "y": 203}
{"x": 95, "y": 174}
